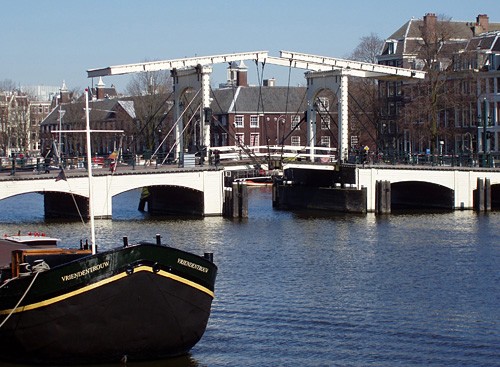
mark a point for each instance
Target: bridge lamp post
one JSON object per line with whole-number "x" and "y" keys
{"x": 133, "y": 151}
{"x": 441, "y": 145}
{"x": 61, "y": 114}
{"x": 277, "y": 119}
{"x": 159, "y": 145}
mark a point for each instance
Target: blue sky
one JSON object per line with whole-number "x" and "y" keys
{"x": 46, "y": 42}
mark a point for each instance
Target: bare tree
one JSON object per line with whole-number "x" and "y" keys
{"x": 363, "y": 94}
{"x": 7, "y": 85}
{"x": 150, "y": 92}
{"x": 368, "y": 49}
{"x": 430, "y": 100}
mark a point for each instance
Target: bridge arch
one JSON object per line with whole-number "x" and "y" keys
{"x": 421, "y": 195}
{"x": 172, "y": 199}
{"x": 458, "y": 180}
{"x": 203, "y": 184}
{"x": 56, "y": 204}
{"x": 336, "y": 80}
{"x": 160, "y": 200}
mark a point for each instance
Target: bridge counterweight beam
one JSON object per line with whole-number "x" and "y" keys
{"x": 311, "y": 128}
{"x": 205, "y": 125}
{"x": 344, "y": 119}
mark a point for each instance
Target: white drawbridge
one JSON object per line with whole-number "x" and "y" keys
{"x": 194, "y": 73}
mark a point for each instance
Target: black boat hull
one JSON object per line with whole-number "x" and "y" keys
{"x": 144, "y": 302}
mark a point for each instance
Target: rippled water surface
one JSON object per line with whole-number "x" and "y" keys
{"x": 306, "y": 289}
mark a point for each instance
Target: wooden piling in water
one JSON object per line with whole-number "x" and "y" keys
{"x": 382, "y": 197}
{"x": 243, "y": 200}
{"x": 482, "y": 195}
{"x": 236, "y": 201}
{"x": 487, "y": 194}
{"x": 479, "y": 195}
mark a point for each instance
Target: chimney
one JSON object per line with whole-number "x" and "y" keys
{"x": 269, "y": 82}
{"x": 100, "y": 89}
{"x": 430, "y": 21}
{"x": 482, "y": 21}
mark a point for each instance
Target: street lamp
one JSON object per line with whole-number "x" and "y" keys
{"x": 61, "y": 114}
{"x": 441, "y": 144}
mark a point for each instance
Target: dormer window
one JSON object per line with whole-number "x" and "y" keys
{"x": 391, "y": 46}
{"x": 493, "y": 61}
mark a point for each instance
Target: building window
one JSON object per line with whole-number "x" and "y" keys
{"x": 391, "y": 109}
{"x": 482, "y": 86}
{"x": 382, "y": 89}
{"x": 325, "y": 122}
{"x": 296, "y": 141}
{"x": 465, "y": 118}
{"x": 399, "y": 88}
{"x": 496, "y": 116}
{"x": 490, "y": 87}
{"x": 325, "y": 141}
{"x": 254, "y": 139}
{"x": 223, "y": 120}
{"x": 254, "y": 121}
{"x": 296, "y": 122}
{"x": 224, "y": 139}
{"x": 354, "y": 141}
{"x": 239, "y": 139}
{"x": 391, "y": 89}
{"x": 391, "y": 47}
{"x": 238, "y": 121}
{"x": 323, "y": 104}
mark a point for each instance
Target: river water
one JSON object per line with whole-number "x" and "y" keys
{"x": 308, "y": 289}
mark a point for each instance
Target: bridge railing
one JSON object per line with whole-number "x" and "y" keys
{"x": 264, "y": 154}
{"x": 275, "y": 152}
{"x": 450, "y": 160}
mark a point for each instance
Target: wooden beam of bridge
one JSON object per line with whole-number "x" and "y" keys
{"x": 176, "y": 63}
{"x": 357, "y": 68}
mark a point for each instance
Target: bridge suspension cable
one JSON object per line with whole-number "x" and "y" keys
{"x": 173, "y": 127}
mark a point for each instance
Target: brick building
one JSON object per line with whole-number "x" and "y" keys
{"x": 267, "y": 115}
{"x": 450, "y": 94}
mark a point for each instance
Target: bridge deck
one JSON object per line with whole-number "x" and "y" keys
{"x": 206, "y": 183}
{"x": 121, "y": 170}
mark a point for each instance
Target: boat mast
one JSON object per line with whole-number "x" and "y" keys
{"x": 89, "y": 170}
{"x": 87, "y": 131}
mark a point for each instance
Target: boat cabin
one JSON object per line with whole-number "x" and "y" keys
{"x": 22, "y": 255}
